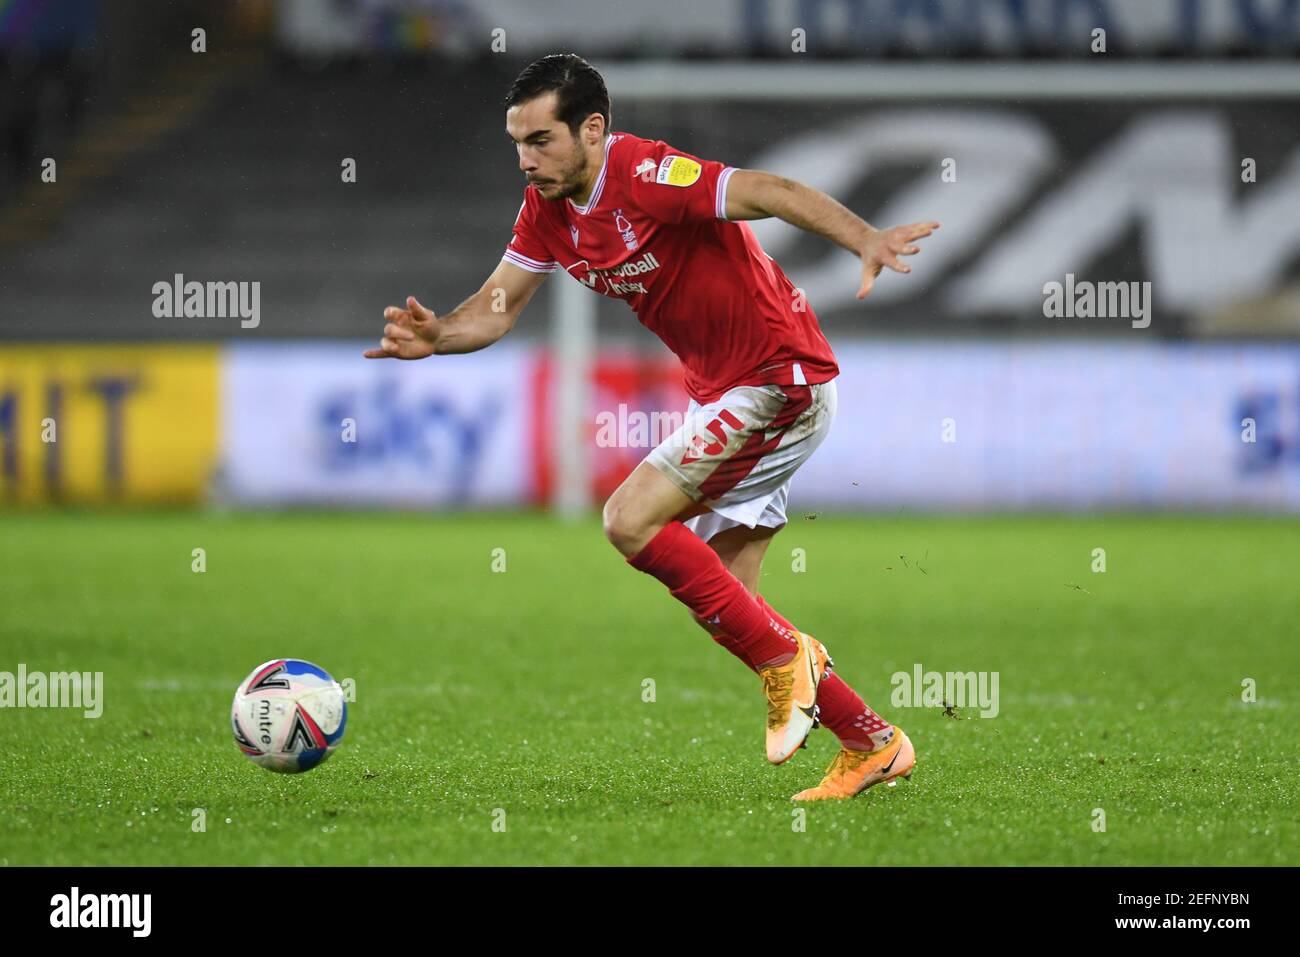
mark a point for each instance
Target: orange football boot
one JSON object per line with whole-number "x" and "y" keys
{"x": 852, "y": 772}
{"x": 791, "y": 691}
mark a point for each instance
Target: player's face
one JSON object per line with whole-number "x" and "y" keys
{"x": 551, "y": 158}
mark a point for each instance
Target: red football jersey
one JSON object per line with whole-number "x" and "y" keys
{"x": 654, "y": 233}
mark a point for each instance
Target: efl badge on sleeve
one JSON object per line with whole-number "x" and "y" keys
{"x": 678, "y": 171}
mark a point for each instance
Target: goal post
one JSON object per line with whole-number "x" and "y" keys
{"x": 573, "y": 362}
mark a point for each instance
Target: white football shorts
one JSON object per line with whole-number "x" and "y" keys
{"x": 736, "y": 455}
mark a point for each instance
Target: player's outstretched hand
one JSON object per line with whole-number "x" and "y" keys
{"x": 410, "y": 333}
{"x": 885, "y": 246}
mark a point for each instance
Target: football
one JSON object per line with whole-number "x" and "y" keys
{"x": 288, "y": 715}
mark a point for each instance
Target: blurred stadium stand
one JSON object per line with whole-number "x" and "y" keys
{"x": 226, "y": 165}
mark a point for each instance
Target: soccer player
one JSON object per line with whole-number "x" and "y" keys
{"x": 638, "y": 220}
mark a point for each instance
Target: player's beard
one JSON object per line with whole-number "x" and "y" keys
{"x": 572, "y": 181}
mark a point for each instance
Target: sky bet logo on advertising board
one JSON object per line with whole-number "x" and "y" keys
{"x": 1269, "y": 424}
{"x": 426, "y": 432}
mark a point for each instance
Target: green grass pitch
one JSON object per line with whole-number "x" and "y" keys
{"x": 522, "y": 690}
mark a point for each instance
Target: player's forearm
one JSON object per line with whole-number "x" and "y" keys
{"x": 811, "y": 210}
{"x": 469, "y": 327}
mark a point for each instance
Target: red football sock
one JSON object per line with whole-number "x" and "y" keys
{"x": 733, "y": 646}
{"x": 842, "y": 709}
{"x": 696, "y": 577}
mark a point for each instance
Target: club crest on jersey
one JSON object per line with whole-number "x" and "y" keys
{"x": 677, "y": 171}
{"x": 625, "y": 230}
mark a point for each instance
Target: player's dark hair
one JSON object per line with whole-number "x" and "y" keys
{"x": 580, "y": 90}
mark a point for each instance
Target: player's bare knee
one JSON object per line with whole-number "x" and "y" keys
{"x": 746, "y": 572}
{"x": 622, "y": 529}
